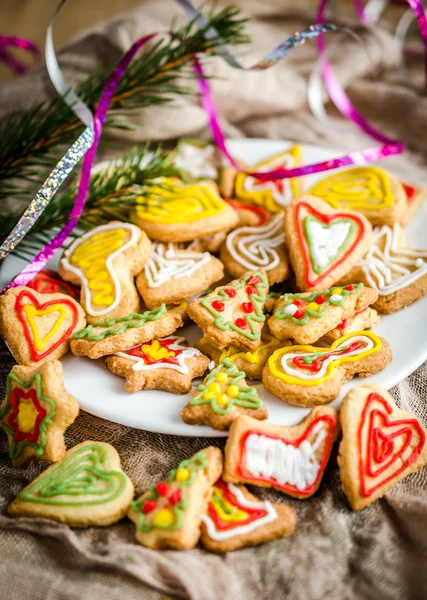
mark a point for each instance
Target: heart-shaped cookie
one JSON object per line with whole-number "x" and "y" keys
{"x": 49, "y": 282}
{"x": 86, "y": 488}
{"x": 37, "y": 326}
{"x": 324, "y": 244}
{"x": 381, "y": 444}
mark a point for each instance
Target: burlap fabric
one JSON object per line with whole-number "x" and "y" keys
{"x": 378, "y": 554}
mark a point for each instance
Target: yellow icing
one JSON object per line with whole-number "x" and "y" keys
{"x": 155, "y": 351}
{"x": 221, "y": 377}
{"x": 31, "y": 312}
{"x": 366, "y": 188}
{"x": 27, "y": 416}
{"x": 182, "y": 474}
{"x": 227, "y": 512}
{"x": 163, "y": 518}
{"x": 222, "y": 399}
{"x": 233, "y": 353}
{"x": 233, "y": 391}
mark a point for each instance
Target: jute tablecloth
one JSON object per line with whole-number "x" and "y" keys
{"x": 380, "y": 553}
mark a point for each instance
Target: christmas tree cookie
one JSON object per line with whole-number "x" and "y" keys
{"x": 117, "y": 335}
{"x": 169, "y": 514}
{"x": 86, "y": 488}
{"x": 36, "y": 412}
{"x": 308, "y": 316}
{"x": 37, "y": 327}
{"x": 223, "y": 396}
{"x": 324, "y": 243}
{"x": 233, "y": 314}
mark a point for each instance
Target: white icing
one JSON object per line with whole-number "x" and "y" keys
{"x": 336, "y": 298}
{"x": 256, "y": 246}
{"x": 169, "y": 262}
{"x": 196, "y": 161}
{"x": 243, "y": 529}
{"x": 309, "y": 375}
{"x": 251, "y": 184}
{"x": 291, "y": 309}
{"x": 325, "y": 241}
{"x": 392, "y": 268}
{"x": 274, "y": 459}
{"x": 108, "y": 264}
{"x": 181, "y": 367}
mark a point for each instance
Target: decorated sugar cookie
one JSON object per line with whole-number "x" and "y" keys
{"x": 381, "y": 444}
{"x": 308, "y": 316}
{"x": 252, "y": 363}
{"x": 173, "y": 274}
{"x": 235, "y": 519}
{"x": 49, "y": 282}
{"x": 117, "y": 335}
{"x": 88, "y": 487}
{"x": 197, "y": 159}
{"x": 211, "y": 243}
{"x": 324, "y": 243}
{"x": 290, "y": 459}
{"x": 397, "y": 272}
{"x": 104, "y": 262}
{"x": 169, "y": 514}
{"x": 233, "y": 314}
{"x": 365, "y": 318}
{"x": 36, "y": 411}
{"x": 309, "y": 376}
{"x": 259, "y": 247}
{"x": 37, "y": 327}
{"x": 415, "y": 197}
{"x": 272, "y": 195}
{"x": 223, "y": 396}
{"x": 372, "y": 191}
{"x": 179, "y": 213}
{"x": 165, "y": 364}
{"x": 250, "y": 215}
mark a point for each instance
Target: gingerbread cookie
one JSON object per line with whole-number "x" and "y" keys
{"x": 37, "y": 327}
{"x": 290, "y": 459}
{"x": 223, "y": 396}
{"x": 173, "y": 274}
{"x": 381, "y": 444}
{"x": 309, "y": 376}
{"x": 169, "y": 514}
{"x": 178, "y": 213}
{"x": 233, "y": 314}
{"x": 363, "y": 319}
{"x": 397, "y": 272}
{"x": 86, "y": 488}
{"x": 104, "y": 262}
{"x": 117, "y": 335}
{"x": 250, "y": 215}
{"x": 371, "y": 191}
{"x": 49, "y": 282}
{"x": 236, "y": 519}
{"x": 196, "y": 158}
{"x": 260, "y": 247}
{"x": 36, "y": 412}
{"x": 415, "y": 197}
{"x": 165, "y": 364}
{"x": 272, "y": 195}
{"x": 323, "y": 243}
{"x": 308, "y": 316}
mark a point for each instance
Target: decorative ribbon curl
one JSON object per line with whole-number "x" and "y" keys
{"x": 10, "y": 41}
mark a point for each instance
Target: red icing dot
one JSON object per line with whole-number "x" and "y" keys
{"x": 248, "y": 307}
{"x": 320, "y": 299}
{"x": 298, "y": 302}
{"x": 298, "y": 314}
{"x": 230, "y": 292}
{"x": 241, "y": 323}
{"x": 175, "y": 497}
{"x": 250, "y": 290}
{"x": 349, "y": 288}
{"x": 218, "y": 305}
{"x": 253, "y": 280}
{"x": 162, "y": 488}
{"x": 148, "y": 506}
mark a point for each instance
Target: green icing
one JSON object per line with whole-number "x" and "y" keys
{"x": 194, "y": 464}
{"x": 247, "y": 397}
{"x": 310, "y": 219}
{"x": 81, "y": 474}
{"x": 17, "y": 446}
{"x": 289, "y": 299}
{"x": 132, "y": 321}
{"x": 257, "y": 299}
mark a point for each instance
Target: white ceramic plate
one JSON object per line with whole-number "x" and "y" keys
{"x": 102, "y": 393}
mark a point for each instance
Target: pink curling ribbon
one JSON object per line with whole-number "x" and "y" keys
{"x": 9, "y": 41}
{"x": 418, "y": 9}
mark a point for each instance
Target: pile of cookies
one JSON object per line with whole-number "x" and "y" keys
{"x": 284, "y": 288}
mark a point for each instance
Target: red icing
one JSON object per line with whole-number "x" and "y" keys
{"x": 49, "y": 282}
{"x": 311, "y": 278}
{"x": 162, "y": 488}
{"x": 230, "y": 292}
{"x": 298, "y": 314}
{"x": 331, "y": 422}
{"x": 253, "y": 280}
{"x": 248, "y": 307}
{"x": 171, "y": 360}
{"x": 409, "y": 190}
{"x": 35, "y": 356}
{"x": 218, "y": 305}
{"x": 298, "y": 302}
{"x": 260, "y": 212}
{"x": 241, "y": 323}
{"x": 149, "y": 506}
{"x": 250, "y": 290}
{"x": 253, "y": 513}
{"x": 381, "y": 452}
{"x": 320, "y": 299}
{"x": 16, "y": 396}
{"x": 349, "y": 288}
{"x": 344, "y": 322}
{"x": 175, "y": 497}
{"x": 318, "y": 362}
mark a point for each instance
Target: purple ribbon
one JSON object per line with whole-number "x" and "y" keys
{"x": 10, "y": 41}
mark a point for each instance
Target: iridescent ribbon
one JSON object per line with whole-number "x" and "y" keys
{"x": 10, "y": 41}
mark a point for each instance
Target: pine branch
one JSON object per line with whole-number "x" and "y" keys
{"x": 33, "y": 142}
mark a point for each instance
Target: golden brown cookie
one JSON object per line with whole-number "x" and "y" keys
{"x": 415, "y": 197}
{"x": 364, "y": 319}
